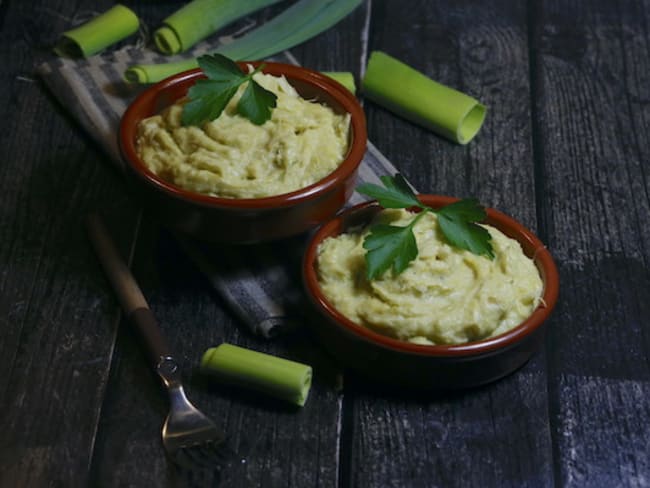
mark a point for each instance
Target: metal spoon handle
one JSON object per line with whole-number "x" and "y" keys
{"x": 128, "y": 292}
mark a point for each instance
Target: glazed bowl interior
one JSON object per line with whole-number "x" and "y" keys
{"x": 341, "y": 332}
{"x": 311, "y": 85}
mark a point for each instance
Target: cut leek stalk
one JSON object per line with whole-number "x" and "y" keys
{"x": 98, "y": 33}
{"x": 415, "y": 97}
{"x": 345, "y": 78}
{"x": 298, "y": 23}
{"x": 140, "y": 74}
{"x": 150, "y": 73}
{"x": 199, "y": 19}
{"x": 280, "y": 378}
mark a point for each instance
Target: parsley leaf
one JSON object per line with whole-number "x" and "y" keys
{"x": 219, "y": 68}
{"x": 457, "y": 224}
{"x": 208, "y": 98}
{"x": 396, "y": 194}
{"x": 390, "y": 246}
{"x": 256, "y": 104}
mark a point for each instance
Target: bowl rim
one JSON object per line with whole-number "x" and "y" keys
{"x": 356, "y": 150}
{"x": 503, "y": 222}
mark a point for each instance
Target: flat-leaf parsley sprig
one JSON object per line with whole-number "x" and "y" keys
{"x": 394, "y": 246}
{"x": 209, "y": 97}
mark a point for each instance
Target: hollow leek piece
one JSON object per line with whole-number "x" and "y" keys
{"x": 298, "y": 23}
{"x": 98, "y": 33}
{"x": 415, "y": 97}
{"x": 200, "y": 18}
{"x": 150, "y": 73}
{"x": 345, "y": 78}
{"x": 281, "y": 378}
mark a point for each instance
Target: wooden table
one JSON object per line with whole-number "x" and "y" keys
{"x": 564, "y": 149}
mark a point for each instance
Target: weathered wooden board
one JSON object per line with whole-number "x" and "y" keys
{"x": 591, "y": 93}
{"x": 58, "y": 325}
{"x": 564, "y": 149}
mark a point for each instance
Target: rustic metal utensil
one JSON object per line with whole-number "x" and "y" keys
{"x": 189, "y": 437}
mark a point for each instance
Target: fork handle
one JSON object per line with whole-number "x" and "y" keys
{"x": 133, "y": 303}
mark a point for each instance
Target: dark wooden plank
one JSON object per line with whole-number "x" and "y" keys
{"x": 497, "y": 435}
{"x": 590, "y": 116}
{"x": 493, "y": 436}
{"x": 591, "y": 73}
{"x": 276, "y": 445}
{"x": 57, "y": 326}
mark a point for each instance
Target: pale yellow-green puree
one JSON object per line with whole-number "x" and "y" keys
{"x": 231, "y": 157}
{"x": 445, "y": 296}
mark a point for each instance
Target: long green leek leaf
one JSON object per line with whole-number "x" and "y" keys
{"x": 98, "y": 33}
{"x": 298, "y": 23}
{"x": 330, "y": 13}
{"x": 415, "y": 97}
{"x": 268, "y": 36}
{"x": 280, "y": 378}
{"x": 199, "y": 19}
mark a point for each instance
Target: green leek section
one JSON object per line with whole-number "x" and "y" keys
{"x": 280, "y": 378}
{"x": 200, "y": 18}
{"x": 420, "y": 99}
{"x": 298, "y": 23}
{"x": 104, "y": 30}
{"x": 303, "y": 20}
{"x": 345, "y": 78}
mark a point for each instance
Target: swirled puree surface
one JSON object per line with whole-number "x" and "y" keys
{"x": 445, "y": 296}
{"x": 231, "y": 157}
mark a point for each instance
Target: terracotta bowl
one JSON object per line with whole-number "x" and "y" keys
{"x": 246, "y": 220}
{"x": 393, "y": 362}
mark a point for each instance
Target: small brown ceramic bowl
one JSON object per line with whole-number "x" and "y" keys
{"x": 393, "y": 362}
{"x": 245, "y": 220}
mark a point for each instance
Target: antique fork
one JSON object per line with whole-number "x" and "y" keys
{"x": 190, "y": 438}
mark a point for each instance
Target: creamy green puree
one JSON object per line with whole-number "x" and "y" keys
{"x": 231, "y": 157}
{"x": 445, "y": 296}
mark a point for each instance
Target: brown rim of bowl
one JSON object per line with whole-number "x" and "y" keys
{"x": 358, "y": 137}
{"x": 506, "y": 224}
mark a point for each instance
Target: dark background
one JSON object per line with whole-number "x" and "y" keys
{"x": 564, "y": 149}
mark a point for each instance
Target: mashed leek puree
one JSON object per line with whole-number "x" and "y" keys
{"x": 446, "y": 296}
{"x": 231, "y": 157}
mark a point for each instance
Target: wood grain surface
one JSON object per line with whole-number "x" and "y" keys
{"x": 592, "y": 128}
{"x": 564, "y": 149}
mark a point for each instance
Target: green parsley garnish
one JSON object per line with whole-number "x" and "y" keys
{"x": 208, "y": 98}
{"x": 393, "y": 246}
